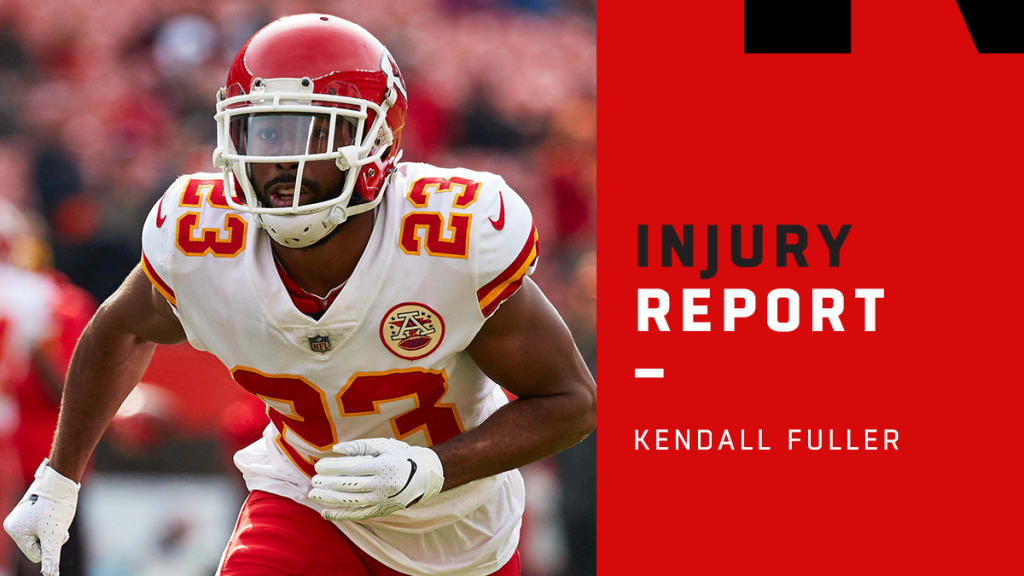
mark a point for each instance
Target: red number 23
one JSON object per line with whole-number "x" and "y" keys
{"x": 298, "y": 407}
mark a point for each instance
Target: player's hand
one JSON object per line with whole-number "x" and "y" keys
{"x": 39, "y": 523}
{"x": 374, "y": 477}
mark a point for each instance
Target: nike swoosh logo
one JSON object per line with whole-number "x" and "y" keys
{"x": 411, "y": 474}
{"x": 500, "y": 222}
{"x": 160, "y": 219}
{"x": 33, "y": 499}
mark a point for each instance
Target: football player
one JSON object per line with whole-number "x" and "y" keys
{"x": 374, "y": 306}
{"x": 42, "y": 315}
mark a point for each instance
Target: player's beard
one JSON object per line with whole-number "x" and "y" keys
{"x": 287, "y": 180}
{"x": 321, "y": 181}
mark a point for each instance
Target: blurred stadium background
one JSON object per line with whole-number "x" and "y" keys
{"x": 103, "y": 103}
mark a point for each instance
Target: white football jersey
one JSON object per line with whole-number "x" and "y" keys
{"x": 387, "y": 359}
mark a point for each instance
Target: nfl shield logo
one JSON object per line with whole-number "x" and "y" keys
{"x": 320, "y": 343}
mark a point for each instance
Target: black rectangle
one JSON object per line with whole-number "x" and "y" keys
{"x": 797, "y": 26}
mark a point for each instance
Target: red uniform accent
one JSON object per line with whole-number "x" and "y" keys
{"x": 419, "y": 196}
{"x": 159, "y": 218}
{"x": 433, "y": 223}
{"x": 505, "y": 284}
{"x": 309, "y": 304}
{"x": 155, "y": 278}
{"x": 191, "y": 197}
{"x": 500, "y": 222}
{"x": 309, "y": 419}
{"x": 439, "y": 422}
{"x": 277, "y": 536}
{"x": 209, "y": 241}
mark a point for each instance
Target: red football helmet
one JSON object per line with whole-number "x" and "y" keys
{"x": 311, "y": 88}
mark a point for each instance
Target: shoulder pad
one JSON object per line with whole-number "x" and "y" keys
{"x": 506, "y": 245}
{"x": 466, "y": 214}
{"x": 191, "y": 219}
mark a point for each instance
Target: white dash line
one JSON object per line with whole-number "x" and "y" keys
{"x": 649, "y": 372}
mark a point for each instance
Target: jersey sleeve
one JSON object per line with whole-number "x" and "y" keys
{"x": 158, "y": 244}
{"x": 159, "y": 247}
{"x": 506, "y": 246}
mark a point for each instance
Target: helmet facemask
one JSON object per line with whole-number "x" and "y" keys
{"x": 283, "y": 122}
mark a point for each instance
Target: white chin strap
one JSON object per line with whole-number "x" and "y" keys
{"x": 302, "y": 230}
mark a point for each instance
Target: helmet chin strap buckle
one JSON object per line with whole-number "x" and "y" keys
{"x": 337, "y": 215}
{"x": 349, "y": 157}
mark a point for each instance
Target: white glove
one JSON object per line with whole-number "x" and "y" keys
{"x": 39, "y": 523}
{"x": 374, "y": 477}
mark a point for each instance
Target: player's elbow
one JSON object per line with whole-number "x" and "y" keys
{"x": 584, "y": 408}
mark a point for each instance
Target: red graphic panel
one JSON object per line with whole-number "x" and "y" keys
{"x": 914, "y": 140}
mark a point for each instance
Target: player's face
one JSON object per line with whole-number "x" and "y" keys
{"x": 293, "y": 134}
{"x": 274, "y": 184}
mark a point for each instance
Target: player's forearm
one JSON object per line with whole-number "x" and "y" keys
{"x": 108, "y": 362}
{"x": 522, "y": 431}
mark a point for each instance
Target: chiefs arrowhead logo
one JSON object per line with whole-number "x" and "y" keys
{"x": 500, "y": 222}
{"x": 393, "y": 74}
{"x": 411, "y": 330}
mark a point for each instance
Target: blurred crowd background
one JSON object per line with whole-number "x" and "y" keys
{"x": 103, "y": 103}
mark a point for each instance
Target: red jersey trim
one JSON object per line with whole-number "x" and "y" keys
{"x": 158, "y": 282}
{"x": 505, "y": 284}
{"x": 305, "y": 302}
